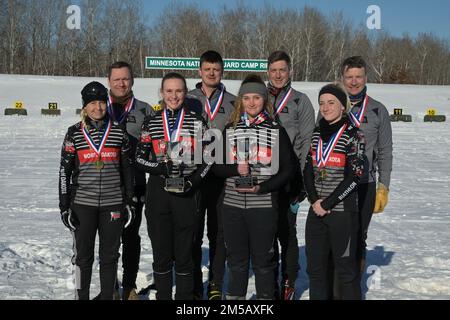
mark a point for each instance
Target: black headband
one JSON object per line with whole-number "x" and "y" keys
{"x": 335, "y": 91}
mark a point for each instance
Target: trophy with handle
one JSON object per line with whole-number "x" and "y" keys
{"x": 175, "y": 181}
{"x": 248, "y": 181}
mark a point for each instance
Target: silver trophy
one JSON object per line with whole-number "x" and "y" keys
{"x": 175, "y": 181}
{"x": 249, "y": 181}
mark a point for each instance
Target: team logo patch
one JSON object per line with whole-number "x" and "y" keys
{"x": 115, "y": 215}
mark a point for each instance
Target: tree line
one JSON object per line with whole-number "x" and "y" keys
{"x": 36, "y": 40}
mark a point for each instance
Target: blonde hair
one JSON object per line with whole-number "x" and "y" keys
{"x": 84, "y": 116}
{"x": 239, "y": 109}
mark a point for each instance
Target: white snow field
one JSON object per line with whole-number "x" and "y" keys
{"x": 409, "y": 243}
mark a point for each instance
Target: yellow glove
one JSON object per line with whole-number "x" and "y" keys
{"x": 381, "y": 199}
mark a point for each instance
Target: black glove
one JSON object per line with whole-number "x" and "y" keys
{"x": 188, "y": 185}
{"x": 69, "y": 219}
{"x": 130, "y": 212}
{"x": 166, "y": 168}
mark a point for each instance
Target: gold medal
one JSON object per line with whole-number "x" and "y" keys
{"x": 99, "y": 164}
{"x": 322, "y": 175}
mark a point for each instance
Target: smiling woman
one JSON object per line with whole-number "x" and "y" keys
{"x": 95, "y": 158}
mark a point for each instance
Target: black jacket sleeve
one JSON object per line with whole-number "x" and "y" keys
{"x": 126, "y": 163}
{"x": 354, "y": 170}
{"x": 308, "y": 178}
{"x": 197, "y": 176}
{"x": 286, "y": 167}
{"x": 222, "y": 169}
{"x": 145, "y": 156}
{"x": 67, "y": 165}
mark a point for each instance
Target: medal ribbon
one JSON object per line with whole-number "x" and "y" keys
{"x": 322, "y": 155}
{"x": 259, "y": 119}
{"x": 169, "y": 130}
{"x": 358, "y": 117}
{"x": 283, "y": 102}
{"x": 91, "y": 142}
{"x": 128, "y": 107}
{"x": 212, "y": 111}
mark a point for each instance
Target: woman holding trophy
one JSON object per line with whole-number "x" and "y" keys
{"x": 167, "y": 150}
{"x": 257, "y": 163}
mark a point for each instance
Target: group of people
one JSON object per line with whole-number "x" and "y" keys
{"x": 239, "y": 164}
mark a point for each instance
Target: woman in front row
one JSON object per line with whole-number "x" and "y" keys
{"x": 255, "y": 167}
{"x": 333, "y": 169}
{"x": 166, "y": 151}
{"x": 95, "y": 184}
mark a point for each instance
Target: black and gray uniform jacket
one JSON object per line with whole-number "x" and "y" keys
{"x": 270, "y": 155}
{"x": 343, "y": 170}
{"x": 154, "y": 149}
{"x": 81, "y": 181}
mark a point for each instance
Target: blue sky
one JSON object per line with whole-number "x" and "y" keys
{"x": 397, "y": 16}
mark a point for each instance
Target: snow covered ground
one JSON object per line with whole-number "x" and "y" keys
{"x": 409, "y": 243}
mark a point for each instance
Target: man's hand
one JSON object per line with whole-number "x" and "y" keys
{"x": 381, "y": 199}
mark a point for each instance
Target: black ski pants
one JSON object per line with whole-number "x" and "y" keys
{"x": 109, "y": 222}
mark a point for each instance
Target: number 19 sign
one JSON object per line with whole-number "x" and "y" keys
{"x": 245, "y": 65}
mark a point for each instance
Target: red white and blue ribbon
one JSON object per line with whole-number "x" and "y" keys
{"x": 323, "y": 154}
{"x": 128, "y": 107}
{"x": 358, "y": 117}
{"x": 212, "y": 111}
{"x": 283, "y": 102}
{"x": 260, "y": 118}
{"x": 90, "y": 141}
{"x": 173, "y": 133}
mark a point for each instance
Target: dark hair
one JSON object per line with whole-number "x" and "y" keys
{"x": 174, "y": 75}
{"x": 353, "y": 62}
{"x": 120, "y": 65}
{"x": 279, "y": 56}
{"x": 211, "y": 56}
{"x": 337, "y": 91}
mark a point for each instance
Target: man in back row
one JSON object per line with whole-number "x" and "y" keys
{"x": 372, "y": 118}
{"x": 125, "y": 109}
{"x": 294, "y": 111}
{"x": 215, "y": 104}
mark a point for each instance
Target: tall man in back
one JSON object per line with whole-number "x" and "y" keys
{"x": 372, "y": 118}
{"x": 294, "y": 111}
{"x": 125, "y": 109}
{"x": 211, "y": 99}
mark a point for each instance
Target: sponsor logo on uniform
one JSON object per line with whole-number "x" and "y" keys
{"x": 69, "y": 147}
{"x": 145, "y": 137}
{"x": 157, "y": 107}
{"x": 107, "y": 155}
